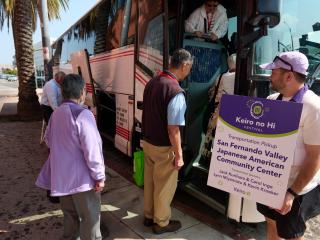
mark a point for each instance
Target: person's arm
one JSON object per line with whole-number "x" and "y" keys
{"x": 308, "y": 170}
{"x": 221, "y": 27}
{"x": 311, "y": 163}
{"x": 192, "y": 22}
{"x": 176, "y": 110}
{"x": 47, "y": 134}
{"x": 91, "y": 146}
{"x": 52, "y": 96}
{"x": 175, "y": 140}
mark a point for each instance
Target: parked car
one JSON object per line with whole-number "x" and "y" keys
{"x": 3, "y": 76}
{"x": 12, "y": 78}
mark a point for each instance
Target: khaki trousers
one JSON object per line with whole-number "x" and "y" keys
{"x": 160, "y": 182}
{"x": 81, "y": 216}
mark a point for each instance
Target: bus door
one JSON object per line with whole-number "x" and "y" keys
{"x": 149, "y": 53}
{"x": 81, "y": 66}
{"x": 209, "y": 63}
{"x": 113, "y": 73}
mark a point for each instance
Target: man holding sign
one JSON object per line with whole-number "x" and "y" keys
{"x": 302, "y": 199}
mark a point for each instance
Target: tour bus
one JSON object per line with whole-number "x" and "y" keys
{"x": 119, "y": 45}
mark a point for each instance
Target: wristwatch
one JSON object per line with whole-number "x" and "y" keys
{"x": 293, "y": 193}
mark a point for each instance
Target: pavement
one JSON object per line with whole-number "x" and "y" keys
{"x": 25, "y": 212}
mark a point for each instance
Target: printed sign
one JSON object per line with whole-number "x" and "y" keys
{"x": 254, "y": 147}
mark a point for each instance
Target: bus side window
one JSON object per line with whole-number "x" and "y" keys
{"x": 150, "y": 30}
{"x": 115, "y": 21}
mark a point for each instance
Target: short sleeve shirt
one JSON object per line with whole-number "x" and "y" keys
{"x": 176, "y": 110}
{"x": 308, "y": 133}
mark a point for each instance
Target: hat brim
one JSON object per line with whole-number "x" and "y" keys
{"x": 268, "y": 66}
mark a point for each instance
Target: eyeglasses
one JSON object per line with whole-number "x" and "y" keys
{"x": 284, "y": 61}
{"x": 212, "y": 5}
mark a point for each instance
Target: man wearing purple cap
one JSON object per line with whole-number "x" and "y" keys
{"x": 302, "y": 199}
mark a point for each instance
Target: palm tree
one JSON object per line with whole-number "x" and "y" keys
{"x": 23, "y": 15}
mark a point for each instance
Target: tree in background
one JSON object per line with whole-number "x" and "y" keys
{"x": 23, "y": 17}
{"x": 9, "y": 71}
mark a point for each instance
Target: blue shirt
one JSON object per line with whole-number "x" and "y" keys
{"x": 176, "y": 110}
{"x": 75, "y": 161}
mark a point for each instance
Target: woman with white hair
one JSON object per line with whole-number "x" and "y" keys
{"x": 75, "y": 170}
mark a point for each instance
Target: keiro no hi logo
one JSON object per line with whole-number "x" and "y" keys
{"x": 256, "y": 109}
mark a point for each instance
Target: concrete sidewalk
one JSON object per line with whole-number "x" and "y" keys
{"x": 26, "y": 213}
{"x": 123, "y": 203}
{"x": 9, "y": 99}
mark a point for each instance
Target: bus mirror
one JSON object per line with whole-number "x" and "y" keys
{"x": 267, "y": 9}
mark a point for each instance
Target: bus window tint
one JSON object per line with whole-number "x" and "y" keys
{"x": 150, "y": 28}
{"x": 78, "y": 37}
{"x": 173, "y": 26}
{"x": 88, "y": 33}
{"x": 115, "y": 21}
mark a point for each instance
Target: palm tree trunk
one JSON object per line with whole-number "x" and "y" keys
{"x": 28, "y": 105}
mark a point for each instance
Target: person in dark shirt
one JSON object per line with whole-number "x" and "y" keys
{"x": 163, "y": 113}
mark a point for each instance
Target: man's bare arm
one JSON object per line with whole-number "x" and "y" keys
{"x": 308, "y": 170}
{"x": 175, "y": 139}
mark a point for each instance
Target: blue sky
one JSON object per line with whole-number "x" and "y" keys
{"x": 77, "y": 8}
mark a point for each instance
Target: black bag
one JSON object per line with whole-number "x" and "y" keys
{"x": 210, "y": 107}
{"x": 52, "y": 199}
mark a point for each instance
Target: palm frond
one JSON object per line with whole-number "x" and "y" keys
{"x": 54, "y": 7}
{"x": 6, "y": 11}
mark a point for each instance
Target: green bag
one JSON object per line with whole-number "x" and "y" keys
{"x": 138, "y": 167}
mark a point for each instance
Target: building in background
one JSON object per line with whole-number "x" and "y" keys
{"x": 6, "y": 66}
{"x": 38, "y": 62}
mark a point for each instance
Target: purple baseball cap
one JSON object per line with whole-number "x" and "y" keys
{"x": 292, "y": 61}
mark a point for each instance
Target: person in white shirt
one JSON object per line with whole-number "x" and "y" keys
{"x": 302, "y": 199}
{"x": 223, "y": 84}
{"x": 211, "y": 18}
{"x": 239, "y": 209}
{"x": 51, "y": 95}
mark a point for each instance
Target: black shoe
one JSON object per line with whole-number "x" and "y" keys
{"x": 148, "y": 222}
{"x": 171, "y": 227}
{"x": 104, "y": 230}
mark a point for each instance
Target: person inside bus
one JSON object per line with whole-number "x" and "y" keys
{"x": 211, "y": 18}
{"x": 164, "y": 107}
{"x": 302, "y": 198}
{"x": 238, "y": 208}
{"x": 51, "y": 95}
{"x": 75, "y": 170}
{"x": 224, "y": 84}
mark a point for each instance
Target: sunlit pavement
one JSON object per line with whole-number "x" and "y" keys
{"x": 26, "y": 213}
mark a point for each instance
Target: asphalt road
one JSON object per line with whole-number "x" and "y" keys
{"x": 8, "y": 88}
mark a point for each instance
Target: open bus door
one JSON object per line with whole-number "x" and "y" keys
{"x": 253, "y": 19}
{"x": 80, "y": 65}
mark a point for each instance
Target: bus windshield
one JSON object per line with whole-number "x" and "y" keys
{"x": 298, "y": 30}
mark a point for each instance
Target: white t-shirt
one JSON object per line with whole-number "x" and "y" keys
{"x": 51, "y": 95}
{"x": 226, "y": 85}
{"x": 219, "y": 25}
{"x": 308, "y": 133}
